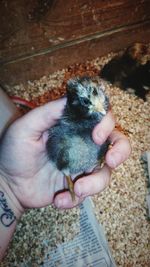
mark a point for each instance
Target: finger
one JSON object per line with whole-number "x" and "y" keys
{"x": 41, "y": 118}
{"x": 103, "y": 129}
{"x": 120, "y": 150}
{"x": 94, "y": 183}
{"x": 64, "y": 201}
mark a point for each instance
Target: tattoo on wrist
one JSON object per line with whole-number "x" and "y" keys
{"x": 7, "y": 216}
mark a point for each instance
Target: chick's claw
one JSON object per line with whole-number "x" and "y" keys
{"x": 70, "y": 187}
{"x": 102, "y": 162}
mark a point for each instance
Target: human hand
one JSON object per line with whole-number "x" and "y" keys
{"x": 23, "y": 159}
{"x": 32, "y": 178}
{"x": 100, "y": 178}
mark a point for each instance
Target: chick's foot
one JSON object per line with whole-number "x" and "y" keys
{"x": 70, "y": 187}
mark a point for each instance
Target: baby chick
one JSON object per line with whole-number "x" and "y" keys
{"x": 70, "y": 145}
{"x": 130, "y": 71}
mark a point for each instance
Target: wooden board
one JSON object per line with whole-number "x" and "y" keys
{"x": 38, "y": 37}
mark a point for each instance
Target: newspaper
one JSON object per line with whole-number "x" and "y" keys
{"x": 146, "y": 158}
{"x": 88, "y": 249}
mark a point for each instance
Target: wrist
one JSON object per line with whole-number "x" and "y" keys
{"x": 8, "y": 202}
{"x": 10, "y": 213}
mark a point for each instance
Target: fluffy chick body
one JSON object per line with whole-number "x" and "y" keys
{"x": 130, "y": 71}
{"x": 70, "y": 145}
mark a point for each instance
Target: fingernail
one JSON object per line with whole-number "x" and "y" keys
{"x": 100, "y": 137}
{"x": 78, "y": 190}
{"x": 82, "y": 191}
{"x": 61, "y": 203}
{"x": 115, "y": 159}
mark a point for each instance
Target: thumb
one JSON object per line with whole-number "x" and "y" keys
{"x": 38, "y": 120}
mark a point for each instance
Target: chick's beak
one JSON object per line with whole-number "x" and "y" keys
{"x": 99, "y": 106}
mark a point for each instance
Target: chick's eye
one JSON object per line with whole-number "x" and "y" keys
{"x": 95, "y": 92}
{"x": 85, "y": 101}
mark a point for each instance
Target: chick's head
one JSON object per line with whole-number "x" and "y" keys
{"x": 86, "y": 96}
